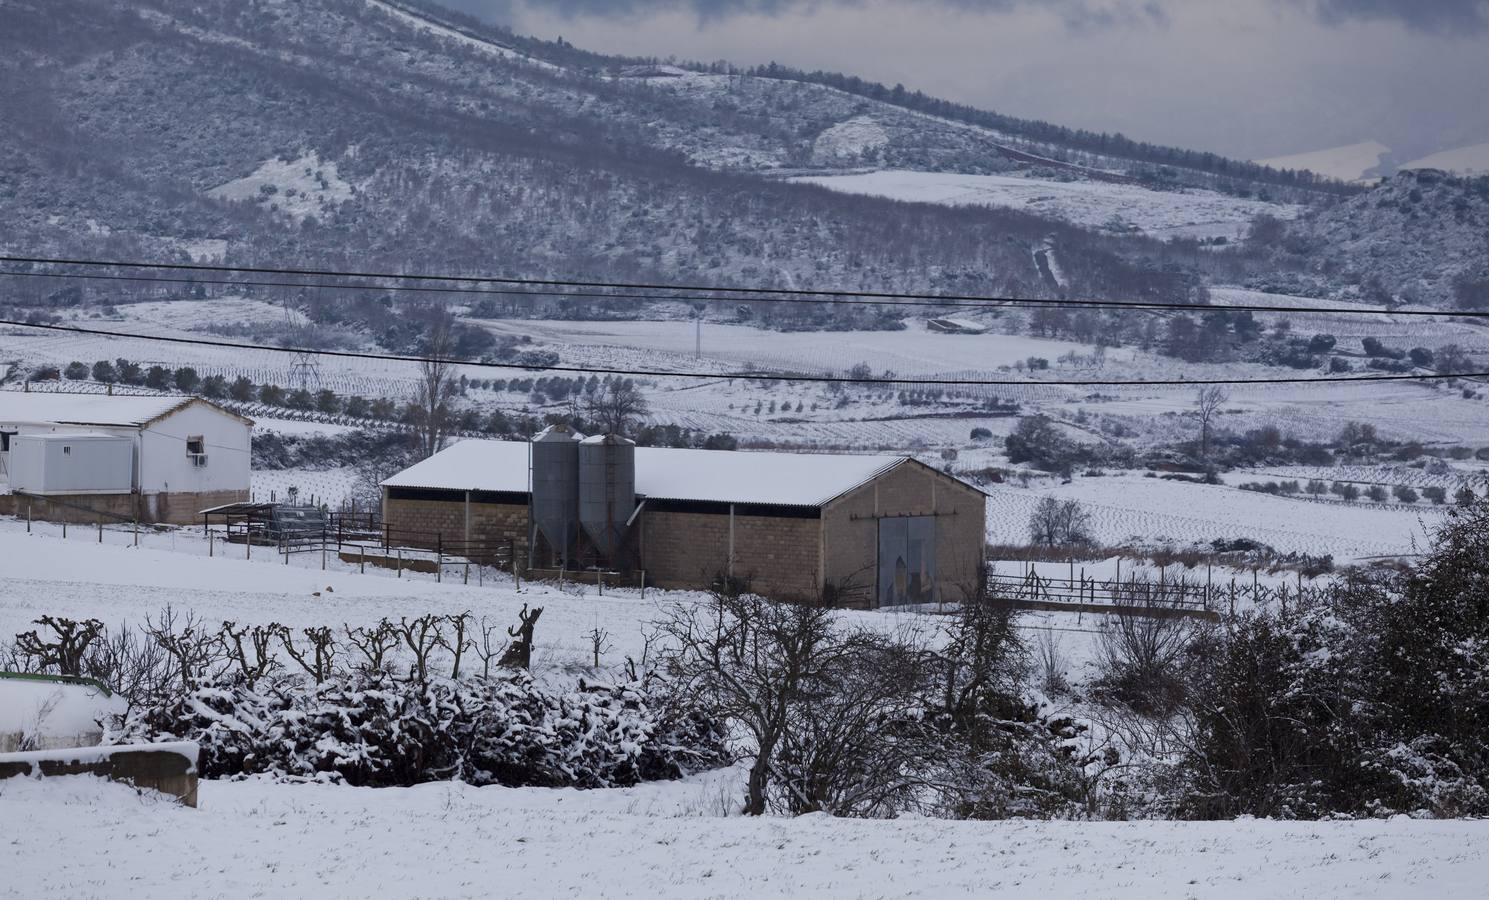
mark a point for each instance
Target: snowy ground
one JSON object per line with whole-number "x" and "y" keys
{"x": 252, "y": 839}
{"x": 1131, "y": 509}
{"x": 1118, "y": 207}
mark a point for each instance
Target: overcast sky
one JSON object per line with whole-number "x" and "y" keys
{"x": 1249, "y": 78}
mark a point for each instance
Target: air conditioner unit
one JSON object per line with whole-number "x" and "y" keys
{"x": 199, "y": 460}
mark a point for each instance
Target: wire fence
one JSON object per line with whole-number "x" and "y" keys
{"x": 1162, "y": 595}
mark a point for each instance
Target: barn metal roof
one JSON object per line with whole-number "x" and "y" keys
{"x": 715, "y": 476}
{"x": 59, "y": 408}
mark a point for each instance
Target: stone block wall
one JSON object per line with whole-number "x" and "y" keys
{"x": 496, "y": 524}
{"x": 778, "y": 555}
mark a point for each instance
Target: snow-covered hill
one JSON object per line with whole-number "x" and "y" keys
{"x": 1351, "y": 162}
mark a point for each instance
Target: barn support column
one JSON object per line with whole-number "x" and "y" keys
{"x": 730, "y": 568}
{"x": 467, "y": 523}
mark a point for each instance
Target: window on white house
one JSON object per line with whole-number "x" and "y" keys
{"x": 66, "y": 450}
{"x": 5, "y": 437}
{"x": 195, "y": 446}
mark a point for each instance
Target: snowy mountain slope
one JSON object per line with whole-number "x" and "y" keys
{"x": 1472, "y": 159}
{"x": 167, "y": 123}
{"x": 1119, "y": 208}
{"x": 1351, "y": 162}
{"x": 336, "y": 130}
{"x": 1417, "y": 237}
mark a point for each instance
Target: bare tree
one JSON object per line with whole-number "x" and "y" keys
{"x": 437, "y": 386}
{"x": 1059, "y": 524}
{"x": 1208, "y": 402}
{"x": 255, "y": 660}
{"x": 1145, "y": 649}
{"x": 617, "y": 404}
{"x": 319, "y": 657}
{"x": 67, "y": 647}
{"x": 519, "y": 653}
{"x": 191, "y": 648}
{"x": 376, "y": 643}
{"x": 421, "y": 636}
{"x": 458, "y": 640}
{"x": 748, "y": 660}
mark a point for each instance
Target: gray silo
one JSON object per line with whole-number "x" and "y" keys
{"x": 607, "y": 490}
{"x": 555, "y": 495}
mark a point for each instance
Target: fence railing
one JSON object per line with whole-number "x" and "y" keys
{"x": 1140, "y": 592}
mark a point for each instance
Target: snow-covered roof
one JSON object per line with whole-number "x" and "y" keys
{"x": 716, "y": 476}
{"x": 56, "y": 408}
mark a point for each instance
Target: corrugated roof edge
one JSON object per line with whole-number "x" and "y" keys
{"x": 193, "y": 398}
{"x": 185, "y": 401}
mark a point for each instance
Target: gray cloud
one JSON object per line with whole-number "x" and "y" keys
{"x": 1435, "y": 16}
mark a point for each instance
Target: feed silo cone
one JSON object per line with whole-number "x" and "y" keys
{"x": 556, "y": 488}
{"x": 607, "y": 491}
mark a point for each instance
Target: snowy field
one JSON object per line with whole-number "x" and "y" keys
{"x": 254, "y": 839}
{"x": 1131, "y": 509}
{"x": 1119, "y": 207}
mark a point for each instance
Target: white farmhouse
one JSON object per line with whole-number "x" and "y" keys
{"x": 82, "y": 457}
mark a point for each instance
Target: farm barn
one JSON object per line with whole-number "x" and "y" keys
{"x": 82, "y": 457}
{"x": 861, "y": 530}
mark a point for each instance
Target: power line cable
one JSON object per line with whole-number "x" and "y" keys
{"x": 539, "y": 292}
{"x": 735, "y": 294}
{"x": 743, "y": 376}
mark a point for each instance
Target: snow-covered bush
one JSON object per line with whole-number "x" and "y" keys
{"x": 1373, "y": 703}
{"x": 370, "y": 729}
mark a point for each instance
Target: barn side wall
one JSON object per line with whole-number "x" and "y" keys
{"x": 495, "y": 524}
{"x": 851, "y": 531}
{"x": 777, "y": 555}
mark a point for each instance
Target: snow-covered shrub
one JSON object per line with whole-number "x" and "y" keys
{"x": 370, "y": 729}
{"x": 1375, "y": 702}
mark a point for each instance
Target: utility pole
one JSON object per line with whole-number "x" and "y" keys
{"x": 697, "y": 330}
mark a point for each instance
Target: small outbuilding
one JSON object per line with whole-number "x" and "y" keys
{"x": 79, "y": 457}
{"x": 860, "y": 530}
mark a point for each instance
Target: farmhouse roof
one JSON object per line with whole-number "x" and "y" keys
{"x": 58, "y": 408}
{"x": 715, "y": 476}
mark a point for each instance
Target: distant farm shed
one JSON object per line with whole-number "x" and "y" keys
{"x": 863, "y": 530}
{"x": 81, "y": 457}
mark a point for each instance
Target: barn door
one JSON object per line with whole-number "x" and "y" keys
{"x": 907, "y": 560}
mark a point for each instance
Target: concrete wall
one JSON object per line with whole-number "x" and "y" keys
{"x": 168, "y": 768}
{"x": 851, "y": 531}
{"x": 164, "y": 466}
{"x": 778, "y": 556}
{"x": 168, "y": 509}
